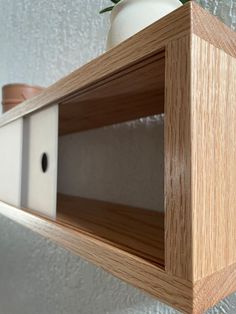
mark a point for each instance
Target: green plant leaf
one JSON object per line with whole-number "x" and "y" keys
{"x": 106, "y": 9}
{"x": 115, "y": 1}
{"x": 184, "y": 1}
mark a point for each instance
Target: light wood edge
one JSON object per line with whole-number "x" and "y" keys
{"x": 177, "y": 127}
{"x": 141, "y": 46}
{"x": 210, "y": 290}
{"x": 134, "y": 270}
{"x": 212, "y": 30}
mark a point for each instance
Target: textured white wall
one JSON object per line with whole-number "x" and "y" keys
{"x": 42, "y": 41}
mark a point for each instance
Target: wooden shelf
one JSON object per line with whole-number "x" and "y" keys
{"x": 185, "y": 67}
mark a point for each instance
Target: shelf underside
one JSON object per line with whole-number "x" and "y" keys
{"x": 134, "y": 92}
{"x": 134, "y": 230}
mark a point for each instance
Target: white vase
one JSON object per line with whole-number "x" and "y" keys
{"x": 131, "y": 16}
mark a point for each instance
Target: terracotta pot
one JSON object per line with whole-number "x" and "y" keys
{"x": 14, "y": 94}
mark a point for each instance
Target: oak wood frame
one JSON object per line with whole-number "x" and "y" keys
{"x": 200, "y": 114}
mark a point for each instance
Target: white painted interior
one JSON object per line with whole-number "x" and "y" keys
{"x": 41, "y": 41}
{"x": 10, "y": 162}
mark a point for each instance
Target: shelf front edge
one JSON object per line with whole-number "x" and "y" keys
{"x": 132, "y": 269}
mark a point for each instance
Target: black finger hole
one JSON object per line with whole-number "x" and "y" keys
{"x": 44, "y": 162}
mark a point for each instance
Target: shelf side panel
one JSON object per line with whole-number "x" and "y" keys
{"x": 213, "y": 158}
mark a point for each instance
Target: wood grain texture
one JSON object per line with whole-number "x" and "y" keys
{"x": 210, "y": 290}
{"x": 178, "y": 228}
{"x": 213, "y": 120}
{"x": 135, "y": 92}
{"x": 200, "y": 159}
{"x": 128, "y": 267}
{"x": 87, "y": 115}
{"x": 135, "y": 230}
{"x": 212, "y": 30}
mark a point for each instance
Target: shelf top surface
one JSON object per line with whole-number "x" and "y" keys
{"x": 189, "y": 19}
